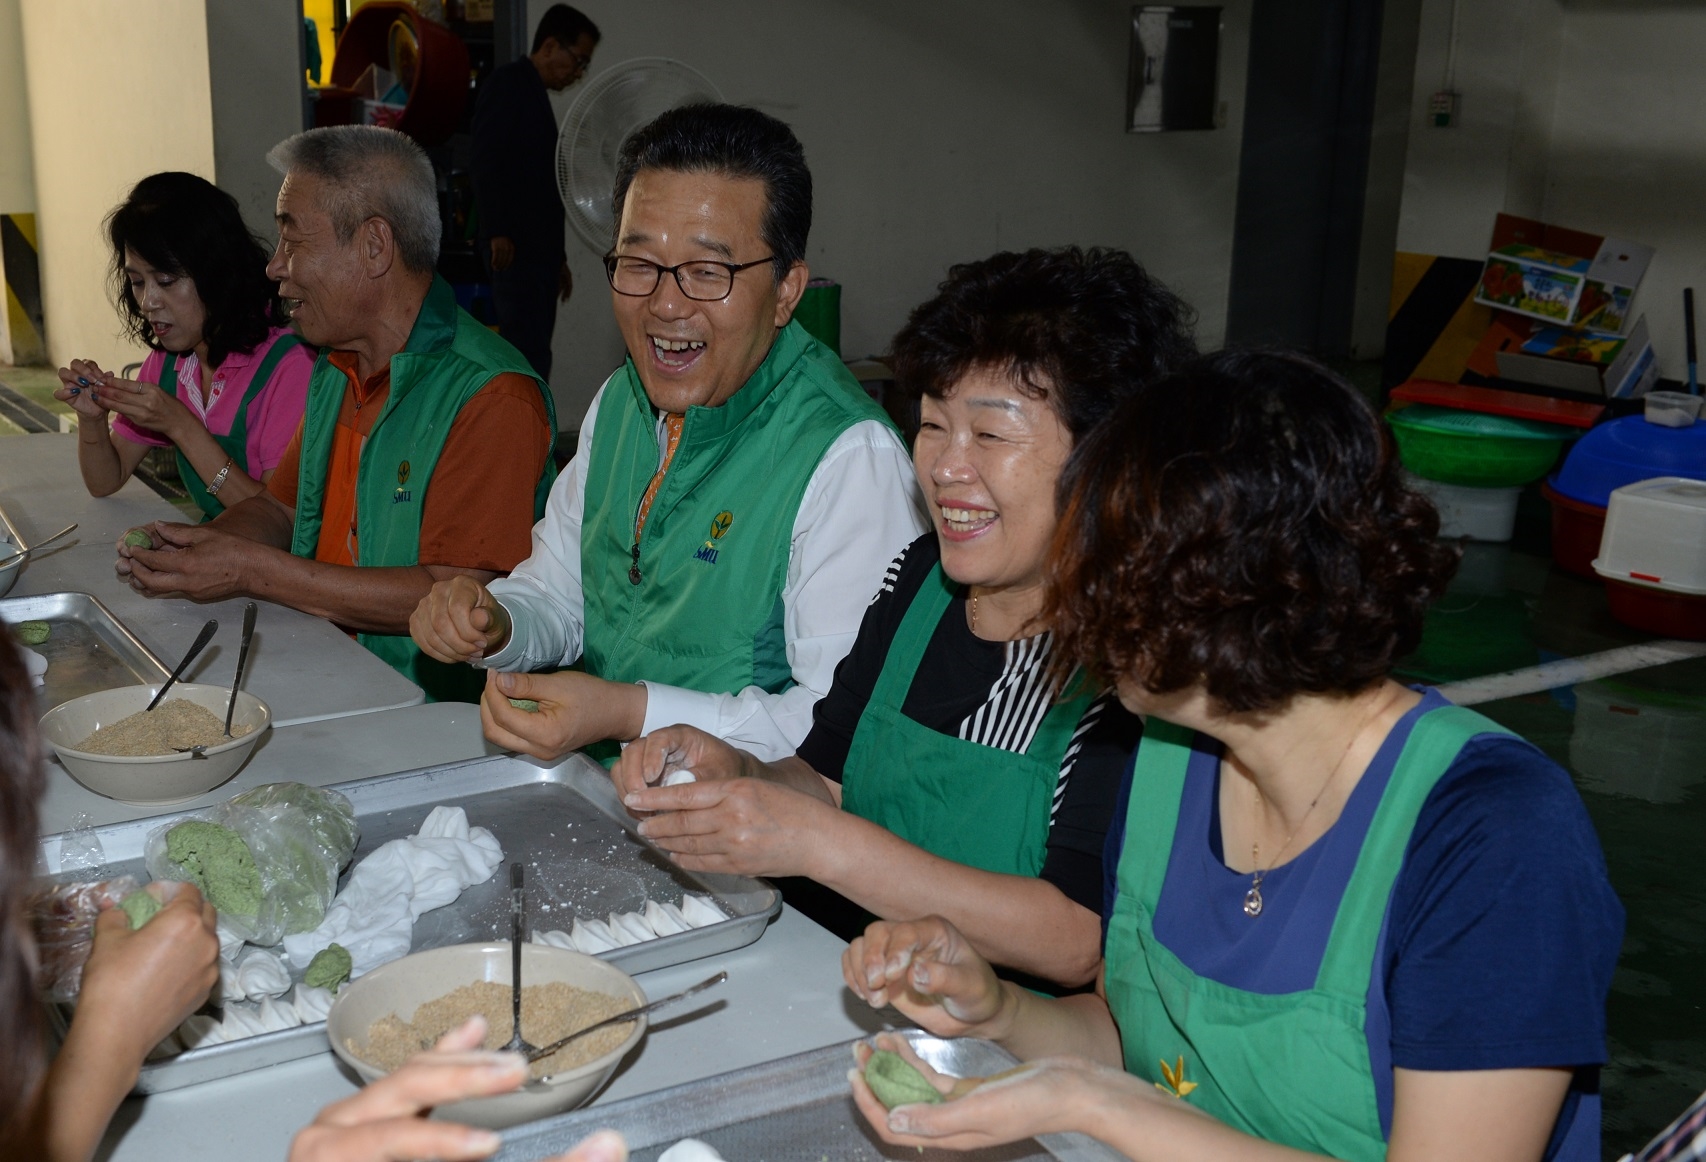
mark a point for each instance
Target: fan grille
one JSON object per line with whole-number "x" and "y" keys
{"x": 614, "y": 104}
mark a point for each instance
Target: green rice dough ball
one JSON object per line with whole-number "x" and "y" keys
{"x": 219, "y": 863}
{"x": 33, "y": 633}
{"x": 140, "y": 907}
{"x": 895, "y": 1082}
{"x": 137, "y": 539}
{"x": 526, "y": 704}
{"x": 329, "y": 968}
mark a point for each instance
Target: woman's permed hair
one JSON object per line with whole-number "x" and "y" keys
{"x": 21, "y": 788}
{"x": 1080, "y": 328}
{"x": 188, "y": 227}
{"x": 1244, "y": 526}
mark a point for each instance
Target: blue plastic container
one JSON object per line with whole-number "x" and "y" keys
{"x": 1626, "y": 450}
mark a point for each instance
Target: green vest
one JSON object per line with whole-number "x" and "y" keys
{"x": 448, "y": 358}
{"x": 698, "y": 601}
{"x": 236, "y": 441}
{"x": 1291, "y": 1068}
{"x": 973, "y": 804}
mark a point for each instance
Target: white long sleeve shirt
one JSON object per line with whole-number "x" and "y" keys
{"x": 860, "y": 508}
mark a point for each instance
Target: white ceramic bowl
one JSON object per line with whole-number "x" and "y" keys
{"x": 404, "y": 985}
{"x": 8, "y": 573}
{"x": 152, "y": 778}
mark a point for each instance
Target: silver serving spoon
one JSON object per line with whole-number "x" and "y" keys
{"x": 621, "y": 1018}
{"x": 249, "y": 612}
{"x": 39, "y": 545}
{"x": 201, "y": 640}
{"x": 517, "y": 916}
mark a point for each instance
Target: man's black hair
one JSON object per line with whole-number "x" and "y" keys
{"x": 564, "y": 25}
{"x": 732, "y": 141}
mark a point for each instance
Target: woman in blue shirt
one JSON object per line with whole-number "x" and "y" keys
{"x": 1348, "y": 919}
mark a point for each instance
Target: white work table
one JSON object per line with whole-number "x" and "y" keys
{"x": 784, "y": 994}
{"x": 305, "y": 668}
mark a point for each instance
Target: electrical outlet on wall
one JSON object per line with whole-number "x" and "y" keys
{"x": 1442, "y": 107}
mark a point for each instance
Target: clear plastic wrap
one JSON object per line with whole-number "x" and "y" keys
{"x": 300, "y": 838}
{"x": 63, "y": 916}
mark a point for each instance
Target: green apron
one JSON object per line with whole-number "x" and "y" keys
{"x": 236, "y": 441}
{"x": 962, "y": 801}
{"x": 1291, "y": 1068}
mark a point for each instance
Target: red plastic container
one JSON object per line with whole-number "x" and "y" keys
{"x": 1576, "y": 532}
{"x": 1658, "y": 611}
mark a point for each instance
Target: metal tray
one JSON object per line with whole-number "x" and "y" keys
{"x": 89, "y": 649}
{"x": 11, "y": 541}
{"x": 582, "y": 855}
{"x": 796, "y": 1109}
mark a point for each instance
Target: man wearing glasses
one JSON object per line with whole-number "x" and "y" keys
{"x": 735, "y": 497}
{"x": 515, "y": 181}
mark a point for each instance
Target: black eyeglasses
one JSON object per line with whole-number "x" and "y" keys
{"x": 701, "y": 280}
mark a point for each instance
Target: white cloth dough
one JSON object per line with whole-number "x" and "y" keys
{"x": 592, "y": 936}
{"x": 676, "y": 778}
{"x": 374, "y": 916}
{"x": 699, "y": 911}
{"x": 630, "y": 928}
{"x": 664, "y": 919}
{"x": 34, "y": 663}
{"x": 259, "y": 973}
{"x": 690, "y": 1150}
{"x": 311, "y": 1004}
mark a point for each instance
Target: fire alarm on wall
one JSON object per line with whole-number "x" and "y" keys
{"x": 1442, "y": 107}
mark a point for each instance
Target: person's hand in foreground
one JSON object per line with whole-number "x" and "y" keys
{"x": 928, "y": 971}
{"x": 1040, "y": 1097}
{"x": 200, "y": 562}
{"x": 385, "y": 1122}
{"x": 79, "y": 386}
{"x": 749, "y": 827}
{"x": 575, "y": 710}
{"x": 137, "y": 987}
{"x": 679, "y": 748}
{"x": 459, "y": 621}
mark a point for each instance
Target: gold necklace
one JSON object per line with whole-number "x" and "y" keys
{"x": 1253, "y": 898}
{"x": 974, "y": 613}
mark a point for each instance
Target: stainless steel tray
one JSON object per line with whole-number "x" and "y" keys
{"x": 796, "y": 1109}
{"x": 89, "y": 648}
{"x": 565, "y": 821}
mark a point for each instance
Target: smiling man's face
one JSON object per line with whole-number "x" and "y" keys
{"x": 319, "y": 277}
{"x": 690, "y": 352}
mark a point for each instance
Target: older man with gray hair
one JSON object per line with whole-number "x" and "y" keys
{"x": 425, "y": 452}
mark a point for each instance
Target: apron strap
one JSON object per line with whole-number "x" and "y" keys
{"x": 1434, "y": 744}
{"x": 1152, "y": 811}
{"x": 913, "y": 638}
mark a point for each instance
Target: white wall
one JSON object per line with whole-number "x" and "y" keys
{"x": 1585, "y": 113}
{"x": 117, "y": 91}
{"x": 17, "y": 171}
{"x": 255, "y": 78}
{"x": 939, "y": 132}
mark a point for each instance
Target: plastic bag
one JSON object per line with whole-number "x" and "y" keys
{"x": 63, "y": 916}
{"x": 300, "y": 838}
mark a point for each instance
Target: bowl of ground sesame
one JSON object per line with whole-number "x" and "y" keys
{"x": 385, "y": 1017}
{"x": 111, "y": 743}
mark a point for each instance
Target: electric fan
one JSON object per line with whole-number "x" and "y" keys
{"x": 615, "y": 103}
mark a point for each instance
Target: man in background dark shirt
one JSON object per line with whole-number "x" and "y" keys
{"x": 515, "y": 181}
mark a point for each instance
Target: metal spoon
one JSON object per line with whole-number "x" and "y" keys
{"x": 242, "y": 660}
{"x": 517, "y": 915}
{"x": 201, "y": 640}
{"x": 620, "y": 1018}
{"x": 42, "y": 544}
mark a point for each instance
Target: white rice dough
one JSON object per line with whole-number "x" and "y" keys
{"x": 675, "y": 779}
{"x": 665, "y": 921}
{"x": 699, "y": 911}
{"x": 630, "y": 928}
{"x": 690, "y": 1150}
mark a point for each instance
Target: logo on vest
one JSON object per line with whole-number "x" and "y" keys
{"x": 402, "y": 495}
{"x": 719, "y": 529}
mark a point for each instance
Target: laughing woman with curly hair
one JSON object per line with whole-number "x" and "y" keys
{"x": 1344, "y": 918}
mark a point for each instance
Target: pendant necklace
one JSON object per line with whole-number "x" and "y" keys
{"x": 974, "y": 613}
{"x": 1253, "y": 897}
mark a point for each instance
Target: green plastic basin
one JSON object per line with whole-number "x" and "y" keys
{"x": 1459, "y": 447}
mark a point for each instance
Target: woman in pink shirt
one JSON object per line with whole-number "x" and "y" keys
{"x": 226, "y": 382}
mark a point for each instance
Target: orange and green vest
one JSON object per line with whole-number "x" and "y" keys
{"x": 449, "y": 357}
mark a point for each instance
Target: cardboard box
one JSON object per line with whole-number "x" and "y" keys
{"x": 1583, "y": 363}
{"x": 1564, "y": 277}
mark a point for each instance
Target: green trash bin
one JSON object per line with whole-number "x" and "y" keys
{"x": 819, "y": 312}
